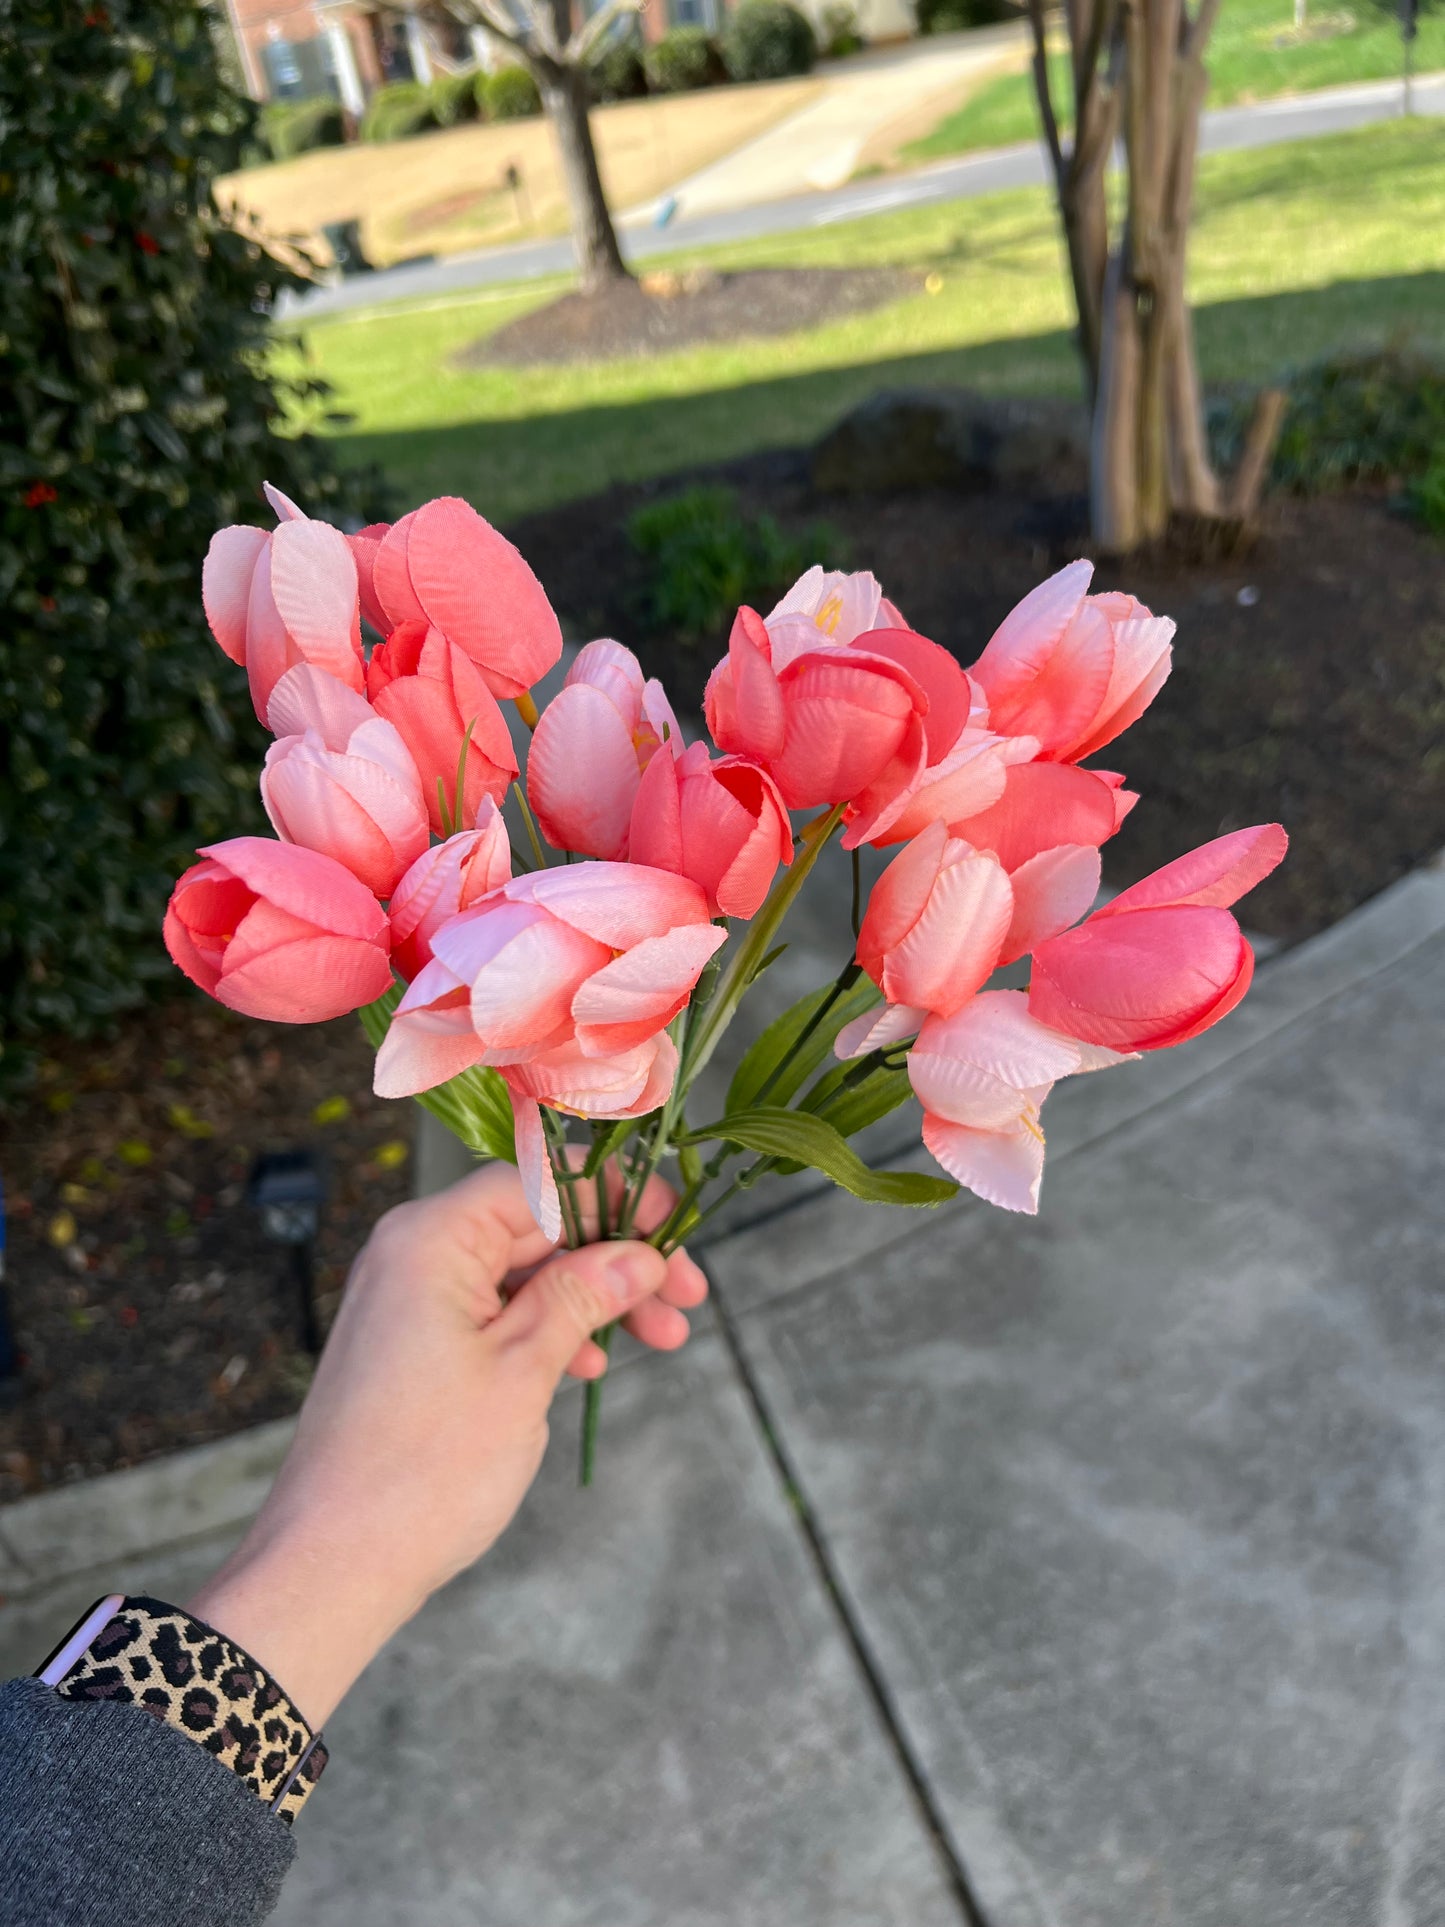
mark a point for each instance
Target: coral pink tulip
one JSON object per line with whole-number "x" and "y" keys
{"x": 1165, "y": 959}
{"x": 981, "y": 1076}
{"x": 284, "y": 598}
{"x": 444, "y": 566}
{"x": 434, "y": 694}
{"x": 444, "y": 880}
{"x": 825, "y": 722}
{"x": 278, "y": 932}
{"x": 935, "y": 921}
{"x": 720, "y": 822}
{"x": 339, "y": 779}
{"x": 590, "y": 747}
{"x": 1071, "y": 669}
{"x": 628, "y": 1084}
{"x": 364, "y": 545}
{"x": 600, "y": 955}
{"x": 1043, "y": 805}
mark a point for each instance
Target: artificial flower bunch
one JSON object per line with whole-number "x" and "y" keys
{"x": 574, "y": 963}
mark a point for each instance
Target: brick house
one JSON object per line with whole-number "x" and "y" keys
{"x": 292, "y": 49}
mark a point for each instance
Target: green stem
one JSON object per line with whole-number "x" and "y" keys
{"x": 857, "y": 893}
{"x": 592, "y": 1410}
{"x": 842, "y": 983}
{"x": 531, "y": 822}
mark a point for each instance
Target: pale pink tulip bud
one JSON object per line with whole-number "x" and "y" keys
{"x": 720, "y": 822}
{"x": 935, "y": 923}
{"x": 590, "y": 747}
{"x": 444, "y": 880}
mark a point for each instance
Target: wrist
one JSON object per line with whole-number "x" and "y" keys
{"x": 311, "y": 1607}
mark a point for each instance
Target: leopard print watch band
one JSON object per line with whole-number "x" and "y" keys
{"x": 145, "y": 1653}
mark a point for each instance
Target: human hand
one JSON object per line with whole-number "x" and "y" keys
{"x": 427, "y": 1419}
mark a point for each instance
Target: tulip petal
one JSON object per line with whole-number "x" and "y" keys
{"x": 308, "y": 698}
{"x": 1216, "y": 874}
{"x": 313, "y": 584}
{"x": 282, "y": 507}
{"x": 364, "y": 545}
{"x": 539, "y": 1186}
{"x": 1142, "y": 660}
{"x": 479, "y": 591}
{"x": 990, "y": 1062}
{"x": 611, "y": 667}
{"x": 640, "y": 992}
{"x": 892, "y": 1024}
{"x": 226, "y": 584}
{"x": 1004, "y": 1168}
{"x": 303, "y": 882}
{"x": 953, "y": 947}
{"x": 1043, "y": 805}
{"x": 391, "y": 583}
{"x": 1139, "y": 980}
{"x": 423, "y": 1048}
{"x": 1051, "y": 891}
{"x": 617, "y": 904}
{"x": 309, "y": 981}
{"x": 897, "y": 898}
{"x": 950, "y": 696}
{"x": 582, "y": 772}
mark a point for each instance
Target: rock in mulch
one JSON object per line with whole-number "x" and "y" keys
{"x": 668, "y": 309}
{"x": 906, "y": 438}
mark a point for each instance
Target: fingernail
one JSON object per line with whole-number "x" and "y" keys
{"x": 630, "y": 1274}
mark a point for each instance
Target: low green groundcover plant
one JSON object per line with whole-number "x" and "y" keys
{"x": 137, "y": 414}
{"x": 706, "y": 555}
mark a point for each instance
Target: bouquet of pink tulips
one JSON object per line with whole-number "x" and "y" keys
{"x": 580, "y": 964}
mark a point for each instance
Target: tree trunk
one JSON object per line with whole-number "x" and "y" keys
{"x": 594, "y": 240}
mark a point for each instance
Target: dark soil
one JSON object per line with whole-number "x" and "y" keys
{"x": 667, "y": 310}
{"x": 1309, "y": 677}
{"x": 148, "y": 1306}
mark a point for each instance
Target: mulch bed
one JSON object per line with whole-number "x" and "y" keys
{"x": 150, "y": 1309}
{"x": 667, "y": 310}
{"x": 1309, "y": 686}
{"x": 1309, "y": 677}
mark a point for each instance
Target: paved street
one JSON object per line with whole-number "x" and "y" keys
{"x": 966, "y": 1571}
{"x": 1267, "y": 124}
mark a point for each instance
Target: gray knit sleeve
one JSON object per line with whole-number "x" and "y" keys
{"x": 110, "y": 1818}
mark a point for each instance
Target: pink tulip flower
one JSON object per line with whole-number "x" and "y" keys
{"x": 284, "y": 598}
{"x": 629, "y": 1084}
{"x": 981, "y": 1076}
{"x": 339, "y": 779}
{"x": 590, "y": 747}
{"x": 434, "y": 694}
{"x": 1044, "y": 805}
{"x": 720, "y": 822}
{"x": 444, "y": 880}
{"x": 1164, "y": 960}
{"x": 827, "y": 607}
{"x": 442, "y": 565}
{"x": 597, "y": 955}
{"x": 931, "y": 935}
{"x": 278, "y": 931}
{"x": 364, "y": 545}
{"x": 825, "y": 722}
{"x": 1071, "y": 669}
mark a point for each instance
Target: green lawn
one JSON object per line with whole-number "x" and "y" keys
{"x": 1296, "y": 250}
{"x": 1253, "y": 55}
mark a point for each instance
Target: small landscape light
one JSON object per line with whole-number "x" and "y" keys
{"x": 288, "y": 1188}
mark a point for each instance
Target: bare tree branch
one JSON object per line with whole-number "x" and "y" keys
{"x": 1198, "y": 30}
{"x": 1042, "y": 89}
{"x": 592, "y": 31}
{"x": 491, "y": 18}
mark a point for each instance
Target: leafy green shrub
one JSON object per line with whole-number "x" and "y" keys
{"x": 453, "y": 98}
{"x": 954, "y": 16}
{"x": 684, "y": 58}
{"x": 1373, "y": 417}
{"x": 295, "y": 126}
{"x": 510, "y": 94}
{"x": 840, "y": 33}
{"x": 1427, "y": 497}
{"x": 139, "y": 412}
{"x": 768, "y": 40}
{"x": 396, "y": 112}
{"x": 618, "y": 73}
{"x": 705, "y": 555}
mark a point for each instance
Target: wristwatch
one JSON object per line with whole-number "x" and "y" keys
{"x": 141, "y": 1652}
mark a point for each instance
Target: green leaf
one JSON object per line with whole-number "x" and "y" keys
{"x": 807, "y": 1139}
{"x": 475, "y": 1105}
{"x": 851, "y": 1108}
{"x": 781, "y": 1037}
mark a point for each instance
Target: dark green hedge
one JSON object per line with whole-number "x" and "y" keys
{"x": 136, "y": 416}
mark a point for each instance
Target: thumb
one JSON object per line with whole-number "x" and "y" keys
{"x": 574, "y": 1295}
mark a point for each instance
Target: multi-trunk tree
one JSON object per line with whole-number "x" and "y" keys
{"x": 541, "y": 35}
{"x": 1138, "y": 78}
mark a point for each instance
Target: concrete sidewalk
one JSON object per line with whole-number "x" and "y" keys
{"x": 1079, "y": 1572}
